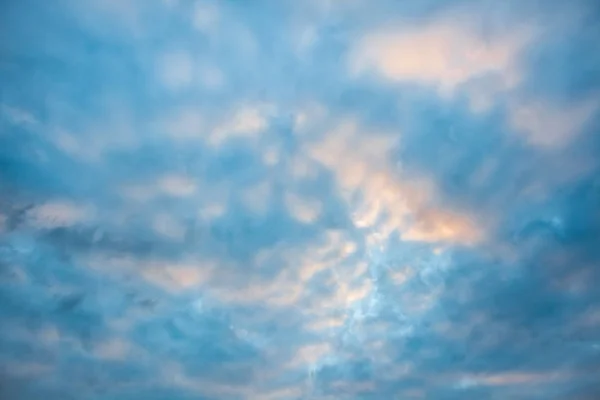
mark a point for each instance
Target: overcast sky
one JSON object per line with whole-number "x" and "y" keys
{"x": 311, "y": 199}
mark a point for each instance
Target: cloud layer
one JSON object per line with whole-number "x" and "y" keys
{"x": 299, "y": 200}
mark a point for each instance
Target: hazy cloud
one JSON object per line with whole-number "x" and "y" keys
{"x": 320, "y": 200}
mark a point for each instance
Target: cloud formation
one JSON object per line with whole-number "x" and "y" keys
{"x": 322, "y": 200}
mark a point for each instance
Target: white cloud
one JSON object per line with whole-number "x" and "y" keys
{"x": 507, "y": 379}
{"x": 18, "y": 116}
{"x": 246, "y": 122}
{"x": 173, "y": 185}
{"x": 96, "y": 137}
{"x": 258, "y": 197}
{"x": 299, "y": 266}
{"x": 176, "y": 70}
{"x": 549, "y": 126}
{"x": 60, "y": 213}
{"x": 310, "y": 354}
{"x": 301, "y": 166}
{"x": 178, "y": 276}
{"x": 303, "y": 209}
{"x": 76, "y": 145}
{"x": 205, "y": 16}
{"x": 304, "y": 38}
{"x": 212, "y": 210}
{"x": 211, "y": 76}
{"x": 185, "y": 123}
{"x": 401, "y": 276}
{"x": 445, "y": 54}
{"x": 271, "y": 156}
{"x": 138, "y": 192}
{"x": 168, "y": 227}
{"x": 112, "y": 350}
{"x": 326, "y": 324}
{"x": 308, "y": 117}
{"x": 177, "y": 185}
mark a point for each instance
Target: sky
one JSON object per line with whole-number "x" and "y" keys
{"x": 313, "y": 199}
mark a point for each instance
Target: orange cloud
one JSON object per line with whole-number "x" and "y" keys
{"x": 387, "y": 201}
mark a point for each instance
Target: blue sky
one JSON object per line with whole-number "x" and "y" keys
{"x": 317, "y": 199}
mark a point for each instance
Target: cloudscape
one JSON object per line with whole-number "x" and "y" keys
{"x": 312, "y": 199}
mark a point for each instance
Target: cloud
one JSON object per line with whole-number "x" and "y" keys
{"x": 388, "y": 201}
{"x": 211, "y": 76}
{"x": 192, "y": 206}
{"x": 18, "y": 116}
{"x": 177, "y": 185}
{"x": 213, "y": 210}
{"x": 60, "y": 214}
{"x": 168, "y": 227}
{"x": 305, "y": 210}
{"x": 256, "y": 198}
{"x": 205, "y": 16}
{"x": 505, "y": 379}
{"x": 176, "y": 70}
{"x": 76, "y": 146}
{"x": 445, "y": 53}
{"x": 437, "y": 225}
{"x": 549, "y": 126}
{"x": 185, "y": 123}
{"x": 112, "y": 350}
{"x": 28, "y": 370}
{"x": 246, "y": 122}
